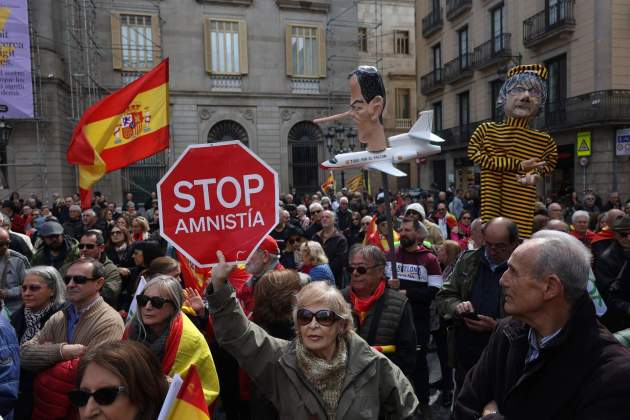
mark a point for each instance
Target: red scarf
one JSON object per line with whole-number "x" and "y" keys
{"x": 362, "y": 306}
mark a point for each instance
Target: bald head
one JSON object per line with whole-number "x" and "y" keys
{"x": 554, "y": 210}
{"x": 559, "y": 225}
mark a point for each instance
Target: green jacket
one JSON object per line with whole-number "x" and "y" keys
{"x": 72, "y": 253}
{"x": 458, "y": 285}
{"x": 374, "y": 387}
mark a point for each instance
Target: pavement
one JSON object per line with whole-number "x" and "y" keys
{"x": 438, "y": 412}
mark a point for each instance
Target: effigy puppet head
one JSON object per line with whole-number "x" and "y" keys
{"x": 524, "y": 92}
{"x": 367, "y": 102}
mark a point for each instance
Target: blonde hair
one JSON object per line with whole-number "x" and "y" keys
{"x": 320, "y": 292}
{"x": 315, "y": 252}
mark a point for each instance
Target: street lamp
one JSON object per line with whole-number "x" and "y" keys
{"x": 336, "y": 139}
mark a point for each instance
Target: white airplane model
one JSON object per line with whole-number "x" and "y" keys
{"x": 414, "y": 144}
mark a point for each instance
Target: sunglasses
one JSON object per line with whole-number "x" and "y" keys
{"x": 103, "y": 396}
{"x": 359, "y": 269}
{"x": 156, "y": 301}
{"x": 293, "y": 240}
{"x": 31, "y": 287}
{"x": 316, "y": 211}
{"x": 77, "y": 279}
{"x": 323, "y": 317}
{"x": 88, "y": 246}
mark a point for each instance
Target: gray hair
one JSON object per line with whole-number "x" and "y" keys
{"x": 6, "y": 220}
{"x": 315, "y": 206}
{"x": 565, "y": 256}
{"x": 320, "y": 292}
{"x": 302, "y": 208}
{"x": 170, "y": 288}
{"x": 579, "y": 214}
{"x": 368, "y": 252}
{"x": 53, "y": 280}
{"x": 332, "y": 214}
{"x": 343, "y": 200}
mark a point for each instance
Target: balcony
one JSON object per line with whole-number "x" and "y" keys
{"x": 549, "y": 23}
{"x": 225, "y": 83}
{"x": 317, "y": 6}
{"x": 228, "y": 2}
{"x": 432, "y": 82}
{"x": 305, "y": 86}
{"x": 491, "y": 52}
{"x": 402, "y": 123}
{"x": 459, "y": 68}
{"x": 432, "y": 23}
{"x": 603, "y": 107}
{"x": 455, "y": 8}
{"x": 457, "y": 137}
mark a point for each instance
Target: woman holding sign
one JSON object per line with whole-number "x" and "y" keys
{"x": 161, "y": 325}
{"x": 308, "y": 377}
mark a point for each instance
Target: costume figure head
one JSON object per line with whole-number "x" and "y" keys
{"x": 367, "y": 102}
{"x": 524, "y": 92}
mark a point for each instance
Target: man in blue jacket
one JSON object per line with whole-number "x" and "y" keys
{"x": 9, "y": 369}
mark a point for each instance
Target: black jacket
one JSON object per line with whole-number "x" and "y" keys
{"x": 336, "y": 249}
{"x": 582, "y": 373}
{"x": 608, "y": 271}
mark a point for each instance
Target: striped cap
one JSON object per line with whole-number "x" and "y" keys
{"x": 538, "y": 69}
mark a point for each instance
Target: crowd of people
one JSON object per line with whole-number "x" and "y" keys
{"x": 99, "y": 312}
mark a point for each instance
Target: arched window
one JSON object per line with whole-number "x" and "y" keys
{"x": 227, "y": 130}
{"x": 304, "y": 140}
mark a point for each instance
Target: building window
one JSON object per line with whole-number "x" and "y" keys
{"x": 403, "y": 108}
{"x": 495, "y": 88}
{"x": 462, "y": 45}
{"x": 557, "y": 80}
{"x": 556, "y": 11}
{"x": 436, "y": 53}
{"x": 225, "y": 45}
{"x": 496, "y": 23}
{"x": 228, "y": 130}
{"x": 401, "y": 42}
{"x": 135, "y": 41}
{"x": 306, "y": 51}
{"x": 363, "y": 39}
{"x": 463, "y": 102}
{"x": 435, "y": 5}
{"x": 437, "y": 116}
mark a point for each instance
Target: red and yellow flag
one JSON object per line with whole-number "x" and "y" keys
{"x": 129, "y": 125}
{"x": 330, "y": 182}
{"x": 190, "y": 403}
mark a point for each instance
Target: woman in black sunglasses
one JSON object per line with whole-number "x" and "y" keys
{"x": 308, "y": 376}
{"x": 119, "y": 380}
{"x": 161, "y": 325}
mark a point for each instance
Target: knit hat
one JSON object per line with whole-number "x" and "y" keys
{"x": 537, "y": 69}
{"x": 417, "y": 207}
{"x": 270, "y": 245}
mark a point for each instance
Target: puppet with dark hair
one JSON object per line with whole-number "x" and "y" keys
{"x": 512, "y": 156}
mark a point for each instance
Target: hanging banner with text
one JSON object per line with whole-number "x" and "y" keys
{"x": 16, "y": 87}
{"x": 622, "y": 143}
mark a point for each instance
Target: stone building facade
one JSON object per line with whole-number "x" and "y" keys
{"x": 465, "y": 48}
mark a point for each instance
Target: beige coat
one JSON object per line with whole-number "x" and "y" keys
{"x": 374, "y": 388}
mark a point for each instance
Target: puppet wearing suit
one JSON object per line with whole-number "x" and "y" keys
{"x": 512, "y": 156}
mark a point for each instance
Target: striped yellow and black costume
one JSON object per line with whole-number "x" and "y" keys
{"x": 499, "y": 149}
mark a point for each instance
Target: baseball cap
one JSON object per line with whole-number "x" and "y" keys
{"x": 270, "y": 245}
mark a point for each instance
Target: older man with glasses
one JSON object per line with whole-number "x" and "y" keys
{"x": 92, "y": 245}
{"x": 472, "y": 297}
{"x": 382, "y": 316}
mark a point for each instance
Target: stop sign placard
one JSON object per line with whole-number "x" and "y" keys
{"x": 218, "y": 196}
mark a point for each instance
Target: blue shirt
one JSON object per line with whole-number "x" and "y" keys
{"x": 534, "y": 346}
{"x": 73, "y": 316}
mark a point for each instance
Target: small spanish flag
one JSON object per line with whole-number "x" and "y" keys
{"x": 330, "y": 182}
{"x": 190, "y": 403}
{"x": 127, "y": 126}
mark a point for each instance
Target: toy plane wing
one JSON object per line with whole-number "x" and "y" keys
{"x": 386, "y": 167}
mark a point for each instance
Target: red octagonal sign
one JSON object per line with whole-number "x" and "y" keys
{"x": 218, "y": 196}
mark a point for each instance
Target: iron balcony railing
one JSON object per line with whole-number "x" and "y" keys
{"x": 492, "y": 52}
{"x": 455, "y": 8}
{"x": 432, "y": 23}
{"x": 432, "y": 82}
{"x": 599, "y": 107}
{"x": 459, "y": 68}
{"x": 457, "y": 137}
{"x": 549, "y": 22}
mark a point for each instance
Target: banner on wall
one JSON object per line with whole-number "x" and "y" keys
{"x": 16, "y": 87}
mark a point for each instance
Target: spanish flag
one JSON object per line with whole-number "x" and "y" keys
{"x": 129, "y": 125}
{"x": 190, "y": 403}
{"x": 330, "y": 182}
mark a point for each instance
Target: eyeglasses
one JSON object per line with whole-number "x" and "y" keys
{"x": 500, "y": 247}
{"x": 466, "y": 218}
{"x": 323, "y": 317}
{"x": 156, "y": 301}
{"x": 316, "y": 211}
{"x": 88, "y": 246}
{"x": 31, "y": 287}
{"x": 116, "y": 232}
{"x": 293, "y": 240}
{"x": 103, "y": 396}
{"x": 5, "y": 243}
{"x": 359, "y": 269}
{"x": 517, "y": 90}
{"x": 77, "y": 279}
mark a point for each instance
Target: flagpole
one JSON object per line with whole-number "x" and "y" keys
{"x": 390, "y": 225}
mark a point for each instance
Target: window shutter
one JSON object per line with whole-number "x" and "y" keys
{"x": 321, "y": 38}
{"x": 207, "y": 45}
{"x": 156, "y": 42}
{"x": 288, "y": 50}
{"x": 242, "y": 46}
{"x": 116, "y": 41}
